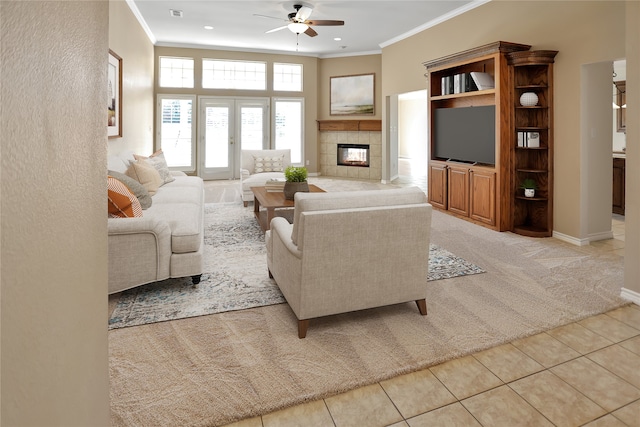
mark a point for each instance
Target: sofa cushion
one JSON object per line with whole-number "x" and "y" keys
{"x": 121, "y": 202}
{"x": 146, "y": 175}
{"x": 135, "y": 187}
{"x": 158, "y": 161}
{"x": 268, "y": 163}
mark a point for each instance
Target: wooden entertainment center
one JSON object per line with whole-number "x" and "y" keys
{"x": 467, "y": 183}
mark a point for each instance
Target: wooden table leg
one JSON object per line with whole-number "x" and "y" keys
{"x": 271, "y": 212}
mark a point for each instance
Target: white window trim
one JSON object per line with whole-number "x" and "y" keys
{"x": 194, "y": 113}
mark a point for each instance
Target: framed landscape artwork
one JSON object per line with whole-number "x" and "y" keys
{"x": 114, "y": 93}
{"x": 352, "y": 95}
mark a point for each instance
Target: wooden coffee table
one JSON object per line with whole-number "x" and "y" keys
{"x": 270, "y": 201}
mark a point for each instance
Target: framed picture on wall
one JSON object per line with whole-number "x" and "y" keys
{"x": 352, "y": 95}
{"x": 114, "y": 94}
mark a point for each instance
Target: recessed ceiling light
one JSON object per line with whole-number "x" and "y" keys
{"x": 337, "y": 39}
{"x": 208, "y": 27}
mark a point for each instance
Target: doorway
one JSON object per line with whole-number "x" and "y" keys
{"x": 227, "y": 126}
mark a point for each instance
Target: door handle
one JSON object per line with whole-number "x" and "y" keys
{"x": 231, "y": 141}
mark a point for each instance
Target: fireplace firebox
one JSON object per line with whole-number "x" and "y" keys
{"x": 353, "y": 155}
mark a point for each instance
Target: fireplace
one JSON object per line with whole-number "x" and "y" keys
{"x": 353, "y": 155}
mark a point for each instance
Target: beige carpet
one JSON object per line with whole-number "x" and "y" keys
{"x": 212, "y": 370}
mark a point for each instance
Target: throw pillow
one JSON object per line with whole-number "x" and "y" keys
{"x": 121, "y": 202}
{"x": 268, "y": 164}
{"x": 146, "y": 175}
{"x": 158, "y": 161}
{"x": 135, "y": 187}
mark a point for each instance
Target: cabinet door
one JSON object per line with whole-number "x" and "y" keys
{"x": 482, "y": 203}
{"x": 438, "y": 186}
{"x": 458, "y": 195}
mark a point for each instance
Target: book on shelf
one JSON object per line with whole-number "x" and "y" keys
{"x": 482, "y": 80}
{"x": 457, "y": 83}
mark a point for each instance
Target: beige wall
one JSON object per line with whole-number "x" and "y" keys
{"x": 54, "y": 225}
{"x": 309, "y": 86}
{"x": 131, "y": 43}
{"x": 596, "y": 35}
{"x": 345, "y": 66}
{"x": 632, "y": 217}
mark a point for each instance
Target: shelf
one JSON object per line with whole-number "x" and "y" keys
{"x": 531, "y": 231}
{"x": 532, "y": 170}
{"x": 532, "y": 199}
{"x": 533, "y": 107}
{"x": 531, "y": 148}
{"x": 532, "y": 128}
{"x": 531, "y": 87}
{"x": 464, "y": 94}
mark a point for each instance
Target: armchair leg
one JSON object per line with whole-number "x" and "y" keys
{"x": 245, "y": 203}
{"x": 303, "y": 325}
{"x": 422, "y": 306}
{"x": 270, "y": 275}
{"x": 196, "y": 279}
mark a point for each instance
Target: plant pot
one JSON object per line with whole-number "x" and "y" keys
{"x": 291, "y": 188}
{"x": 529, "y": 192}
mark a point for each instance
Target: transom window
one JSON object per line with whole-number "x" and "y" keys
{"x": 176, "y": 72}
{"x": 287, "y": 77}
{"x": 225, "y": 74}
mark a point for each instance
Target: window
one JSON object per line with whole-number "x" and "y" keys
{"x": 176, "y": 131}
{"x": 221, "y": 74}
{"x": 176, "y": 72}
{"x": 287, "y": 77}
{"x": 288, "y": 128}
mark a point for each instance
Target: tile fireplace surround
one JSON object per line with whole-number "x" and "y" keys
{"x": 366, "y": 132}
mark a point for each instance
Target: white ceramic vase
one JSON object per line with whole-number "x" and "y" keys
{"x": 528, "y": 99}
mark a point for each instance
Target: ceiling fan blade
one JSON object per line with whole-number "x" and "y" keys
{"x": 275, "y": 29}
{"x": 311, "y": 32}
{"x": 324, "y": 22}
{"x": 303, "y": 14}
{"x": 270, "y": 17}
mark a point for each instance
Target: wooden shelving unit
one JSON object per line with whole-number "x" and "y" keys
{"x": 532, "y": 71}
{"x": 480, "y": 193}
{"x": 490, "y": 194}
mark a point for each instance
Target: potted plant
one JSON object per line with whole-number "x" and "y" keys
{"x": 529, "y": 185}
{"x": 296, "y": 180}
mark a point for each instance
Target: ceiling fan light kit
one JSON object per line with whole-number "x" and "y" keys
{"x": 297, "y": 27}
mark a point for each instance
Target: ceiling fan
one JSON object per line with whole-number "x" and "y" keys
{"x": 299, "y": 22}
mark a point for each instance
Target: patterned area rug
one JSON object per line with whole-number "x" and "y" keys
{"x": 236, "y": 275}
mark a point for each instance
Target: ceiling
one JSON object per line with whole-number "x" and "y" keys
{"x": 369, "y": 25}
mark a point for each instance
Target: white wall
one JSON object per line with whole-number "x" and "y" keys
{"x": 54, "y": 353}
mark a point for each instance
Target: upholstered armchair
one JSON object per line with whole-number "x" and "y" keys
{"x": 259, "y": 166}
{"x": 349, "y": 251}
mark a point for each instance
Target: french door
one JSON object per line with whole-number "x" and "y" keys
{"x": 226, "y": 126}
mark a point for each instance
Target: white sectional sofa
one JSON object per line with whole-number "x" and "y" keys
{"x": 167, "y": 241}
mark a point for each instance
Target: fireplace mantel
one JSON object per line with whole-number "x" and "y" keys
{"x": 350, "y": 125}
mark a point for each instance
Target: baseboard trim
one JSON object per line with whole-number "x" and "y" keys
{"x": 583, "y": 242}
{"x": 570, "y": 239}
{"x": 630, "y": 295}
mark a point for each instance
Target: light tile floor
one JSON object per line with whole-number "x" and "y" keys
{"x": 585, "y": 373}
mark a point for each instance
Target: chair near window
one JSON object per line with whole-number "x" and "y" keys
{"x": 259, "y": 166}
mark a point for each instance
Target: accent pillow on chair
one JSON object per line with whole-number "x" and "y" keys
{"x": 121, "y": 202}
{"x": 268, "y": 164}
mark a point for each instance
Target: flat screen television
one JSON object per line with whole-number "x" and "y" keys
{"x": 465, "y": 134}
